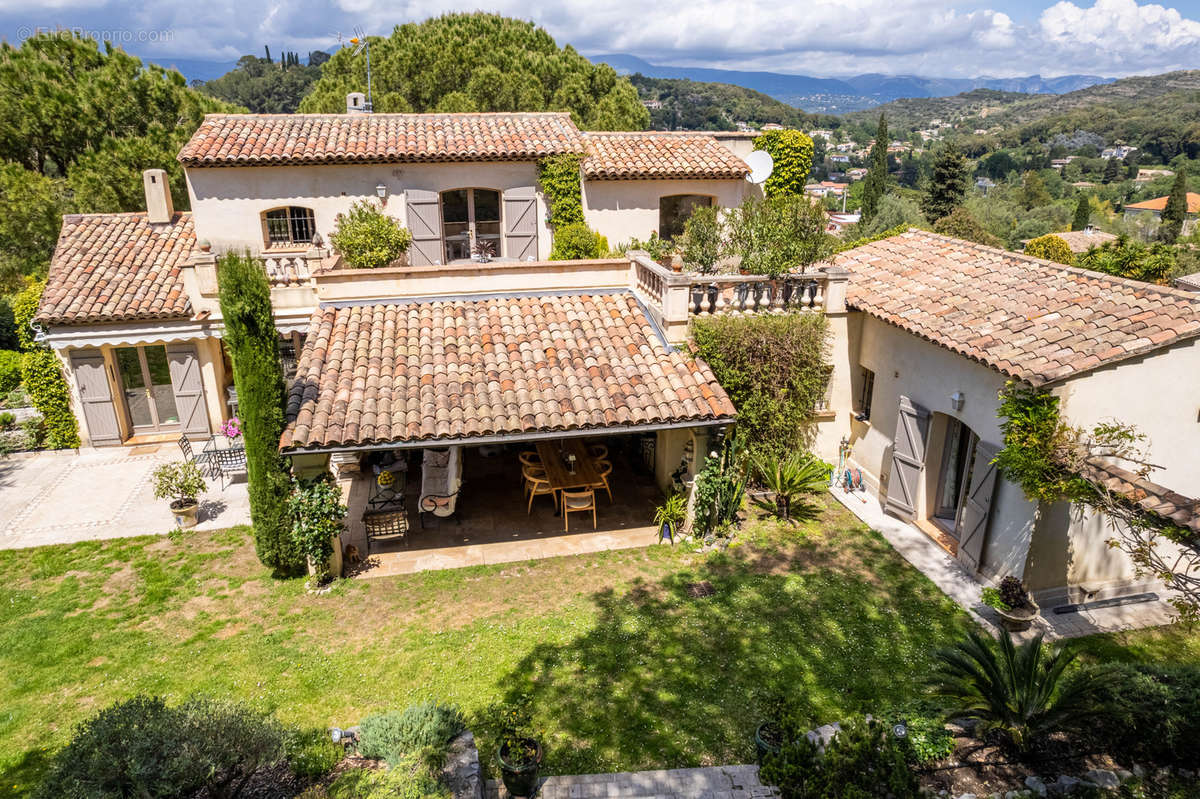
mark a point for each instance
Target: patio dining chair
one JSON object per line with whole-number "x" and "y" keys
{"x": 531, "y": 474}
{"x": 598, "y": 451}
{"x": 537, "y": 487}
{"x": 604, "y": 469}
{"x": 529, "y": 458}
{"x": 228, "y": 462}
{"x": 203, "y": 459}
{"x": 578, "y": 502}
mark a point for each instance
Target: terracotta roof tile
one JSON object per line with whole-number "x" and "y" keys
{"x": 616, "y": 156}
{"x": 1004, "y": 309}
{"x": 1160, "y": 204}
{"x": 278, "y": 139}
{"x": 446, "y": 369}
{"x": 113, "y": 267}
{"x": 1184, "y": 511}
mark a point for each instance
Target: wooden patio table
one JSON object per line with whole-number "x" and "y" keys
{"x": 585, "y": 475}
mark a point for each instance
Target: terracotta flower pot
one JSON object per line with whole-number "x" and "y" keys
{"x": 1019, "y": 619}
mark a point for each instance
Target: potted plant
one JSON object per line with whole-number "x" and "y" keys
{"x": 231, "y": 428}
{"x": 1012, "y": 602}
{"x": 181, "y": 482}
{"x": 768, "y": 739}
{"x": 520, "y": 755}
{"x": 670, "y": 516}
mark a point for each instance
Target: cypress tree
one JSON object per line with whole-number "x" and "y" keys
{"x": 1112, "y": 171}
{"x": 948, "y": 185}
{"x": 1083, "y": 213}
{"x": 875, "y": 183}
{"x": 254, "y": 349}
{"x": 1175, "y": 211}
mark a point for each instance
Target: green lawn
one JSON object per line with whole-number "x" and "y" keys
{"x": 625, "y": 669}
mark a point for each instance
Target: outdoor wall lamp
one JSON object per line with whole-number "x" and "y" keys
{"x": 382, "y": 191}
{"x": 957, "y": 400}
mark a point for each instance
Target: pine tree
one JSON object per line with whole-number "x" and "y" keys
{"x": 1083, "y": 213}
{"x": 948, "y": 184}
{"x": 254, "y": 349}
{"x": 1112, "y": 171}
{"x": 875, "y": 183}
{"x": 1176, "y": 209}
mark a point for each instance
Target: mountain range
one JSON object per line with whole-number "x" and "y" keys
{"x": 839, "y": 95}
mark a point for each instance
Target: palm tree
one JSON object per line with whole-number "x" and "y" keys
{"x": 789, "y": 478}
{"x": 1013, "y": 691}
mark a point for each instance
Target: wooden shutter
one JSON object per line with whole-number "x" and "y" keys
{"x": 425, "y": 224}
{"x": 908, "y": 459}
{"x": 520, "y": 223}
{"x": 972, "y": 533}
{"x": 99, "y": 413}
{"x": 188, "y": 386}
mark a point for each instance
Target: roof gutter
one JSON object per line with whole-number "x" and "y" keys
{"x": 512, "y": 438}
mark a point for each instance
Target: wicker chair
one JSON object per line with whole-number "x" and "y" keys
{"x": 578, "y": 502}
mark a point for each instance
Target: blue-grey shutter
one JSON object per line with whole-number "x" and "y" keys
{"x": 520, "y": 223}
{"x": 908, "y": 459}
{"x": 425, "y": 225}
{"x": 99, "y": 413}
{"x": 188, "y": 386}
{"x": 973, "y": 533}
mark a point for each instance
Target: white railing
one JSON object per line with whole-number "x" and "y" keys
{"x": 286, "y": 269}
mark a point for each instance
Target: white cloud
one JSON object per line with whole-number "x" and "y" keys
{"x": 819, "y": 37}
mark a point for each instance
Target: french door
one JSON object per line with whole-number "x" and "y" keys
{"x": 470, "y": 219}
{"x": 146, "y": 386}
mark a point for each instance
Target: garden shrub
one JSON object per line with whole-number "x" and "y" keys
{"x": 775, "y": 370}
{"x": 8, "y": 326}
{"x": 10, "y": 370}
{"x": 423, "y": 729}
{"x": 317, "y": 516}
{"x": 703, "y": 241}
{"x": 558, "y": 178}
{"x": 24, "y": 307}
{"x": 143, "y": 748}
{"x": 1149, "y": 712}
{"x": 576, "y": 241}
{"x": 254, "y": 349}
{"x": 779, "y": 235}
{"x": 42, "y": 376}
{"x": 407, "y": 779}
{"x": 862, "y": 760}
{"x": 1051, "y": 248}
{"x": 720, "y": 488}
{"x": 367, "y": 238}
{"x": 792, "y": 153}
{"x": 311, "y": 753}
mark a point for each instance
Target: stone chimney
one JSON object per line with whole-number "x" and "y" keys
{"x": 159, "y": 209}
{"x": 356, "y": 103}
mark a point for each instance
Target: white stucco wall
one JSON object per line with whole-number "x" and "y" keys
{"x": 227, "y": 202}
{"x": 928, "y": 374}
{"x": 626, "y": 209}
{"x": 1160, "y": 395}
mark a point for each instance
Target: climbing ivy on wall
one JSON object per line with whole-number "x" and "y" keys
{"x": 792, "y": 152}
{"x": 558, "y": 176}
{"x": 42, "y": 375}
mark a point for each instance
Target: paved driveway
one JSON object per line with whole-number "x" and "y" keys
{"x": 55, "y": 498}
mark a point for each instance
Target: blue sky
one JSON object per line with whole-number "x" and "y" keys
{"x": 1001, "y": 38}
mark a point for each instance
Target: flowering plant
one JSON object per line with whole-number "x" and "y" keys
{"x": 232, "y": 428}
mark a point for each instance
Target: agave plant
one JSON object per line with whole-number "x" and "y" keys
{"x": 791, "y": 477}
{"x": 1014, "y": 692}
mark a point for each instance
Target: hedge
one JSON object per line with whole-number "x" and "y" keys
{"x": 10, "y": 370}
{"x": 254, "y": 349}
{"x": 47, "y": 388}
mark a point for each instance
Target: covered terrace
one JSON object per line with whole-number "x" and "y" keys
{"x": 439, "y": 414}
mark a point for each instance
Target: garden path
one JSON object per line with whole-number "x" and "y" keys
{"x": 65, "y": 497}
{"x": 718, "y": 782}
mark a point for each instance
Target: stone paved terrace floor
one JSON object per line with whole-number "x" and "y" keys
{"x": 936, "y": 564}
{"x": 64, "y": 497}
{"x": 719, "y": 782}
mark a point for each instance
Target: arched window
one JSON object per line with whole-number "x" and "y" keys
{"x": 292, "y": 226}
{"x": 675, "y": 209}
{"x": 470, "y": 221}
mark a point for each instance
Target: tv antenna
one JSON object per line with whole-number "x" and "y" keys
{"x": 360, "y": 42}
{"x": 761, "y": 166}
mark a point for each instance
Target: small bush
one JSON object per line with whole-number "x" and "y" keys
{"x": 407, "y": 779}
{"x": 143, "y": 748}
{"x": 396, "y": 735}
{"x": 10, "y": 370}
{"x": 367, "y": 238}
{"x": 1148, "y": 712}
{"x": 33, "y": 433}
{"x": 7, "y": 420}
{"x": 311, "y": 754}
{"x": 577, "y": 241}
{"x": 317, "y": 516}
{"x": 862, "y": 760}
{"x": 43, "y": 378}
{"x": 1051, "y": 248}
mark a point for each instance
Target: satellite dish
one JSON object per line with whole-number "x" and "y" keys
{"x": 761, "y": 165}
